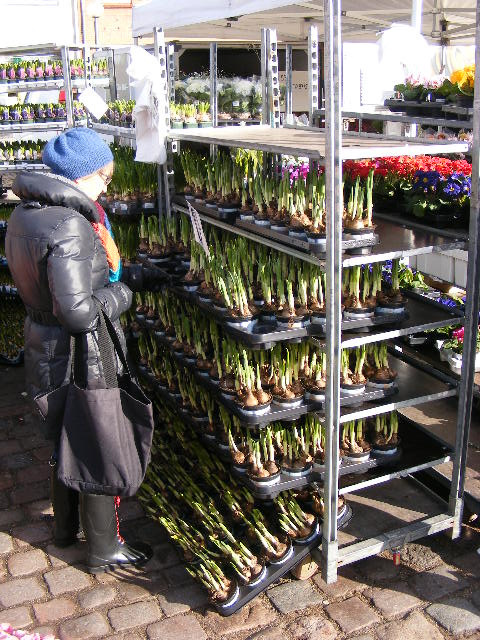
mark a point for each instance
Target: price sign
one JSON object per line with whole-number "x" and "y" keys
{"x": 198, "y": 229}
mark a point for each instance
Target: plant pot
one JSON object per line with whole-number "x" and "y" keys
{"x": 318, "y": 317}
{"x": 290, "y": 322}
{"x": 258, "y": 410}
{"x": 352, "y": 389}
{"x": 286, "y": 556}
{"x": 354, "y": 313}
{"x": 388, "y": 308}
{"x": 315, "y": 395}
{"x": 365, "y": 233}
{"x": 455, "y": 362}
{"x": 288, "y": 403}
{"x": 190, "y": 125}
{"x": 300, "y": 234}
{"x": 317, "y": 242}
{"x": 311, "y": 536}
{"x": 297, "y": 473}
{"x": 357, "y": 457}
{"x": 205, "y": 125}
{"x": 231, "y": 600}
{"x": 248, "y": 216}
{"x": 264, "y": 482}
{"x": 380, "y": 450}
{"x": 258, "y": 578}
{"x": 261, "y": 221}
{"x": 176, "y": 124}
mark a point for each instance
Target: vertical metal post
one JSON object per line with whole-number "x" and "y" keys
{"x": 334, "y": 206}
{"x": 171, "y": 72}
{"x": 112, "y": 81}
{"x": 167, "y": 173}
{"x": 87, "y": 63}
{"x": 135, "y": 41}
{"x": 471, "y": 311}
{"x": 263, "y": 64}
{"x": 288, "y": 84}
{"x": 67, "y": 86}
{"x": 313, "y": 76}
{"x": 417, "y": 6}
{"x": 273, "y": 87}
{"x": 213, "y": 83}
{"x": 95, "y": 28}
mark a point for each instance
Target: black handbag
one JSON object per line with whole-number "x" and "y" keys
{"x": 106, "y": 434}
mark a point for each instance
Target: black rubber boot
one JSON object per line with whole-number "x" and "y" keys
{"x": 106, "y": 548}
{"x": 65, "y": 511}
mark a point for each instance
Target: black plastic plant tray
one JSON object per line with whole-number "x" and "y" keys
{"x": 418, "y": 448}
{"x": 428, "y": 299}
{"x": 458, "y": 231}
{"x": 275, "y": 412}
{"x": 201, "y": 207}
{"x": 261, "y": 334}
{"x": 353, "y": 246}
{"x": 274, "y": 573}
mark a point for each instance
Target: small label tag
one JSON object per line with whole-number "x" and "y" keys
{"x": 198, "y": 229}
{"x": 93, "y": 102}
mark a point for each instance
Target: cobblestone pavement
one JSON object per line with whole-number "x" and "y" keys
{"x": 433, "y": 594}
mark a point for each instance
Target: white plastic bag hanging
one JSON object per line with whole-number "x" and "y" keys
{"x": 148, "y": 113}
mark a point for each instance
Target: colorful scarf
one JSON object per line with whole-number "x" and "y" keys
{"x": 104, "y": 232}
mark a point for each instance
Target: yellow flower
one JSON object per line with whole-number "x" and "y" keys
{"x": 458, "y": 77}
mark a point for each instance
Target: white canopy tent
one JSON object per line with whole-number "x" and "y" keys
{"x": 240, "y": 20}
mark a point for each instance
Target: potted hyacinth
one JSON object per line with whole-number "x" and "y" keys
{"x": 384, "y": 434}
{"x": 27, "y": 115}
{"x": 354, "y": 447}
{"x": 392, "y": 300}
{"x": 357, "y": 219}
{"x": 176, "y": 116}
{"x": 4, "y": 115}
{"x": 204, "y": 118}
{"x": 190, "y": 116}
{"x": 12, "y": 72}
{"x": 353, "y": 382}
{"x": 3, "y": 74}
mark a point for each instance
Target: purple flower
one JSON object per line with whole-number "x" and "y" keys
{"x": 452, "y": 189}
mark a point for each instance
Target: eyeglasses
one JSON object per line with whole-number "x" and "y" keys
{"x": 106, "y": 179}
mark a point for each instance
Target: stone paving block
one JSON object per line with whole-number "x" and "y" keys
{"x": 67, "y": 556}
{"x": 17, "y": 461}
{"x": 377, "y": 569}
{"x": 128, "y": 636}
{"x": 252, "y": 615}
{"x": 96, "y": 597}
{"x": 470, "y": 563}
{"x": 32, "y": 533}
{"x": 415, "y": 625}
{"x": 9, "y": 447}
{"x": 32, "y": 441}
{"x": 92, "y": 625}
{"x": 45, "y": 630}
{"x": 128, "y": 592}
{"x": 43, "y": 453}
{"x": 184, "y": 627}
{"x": 40, "y": 510}
{"x": 11, "y": 516}
{"x": 177, "y": 576}
{"x": 6, "y": 543}
{"x": 36, "y": 473}
{"x": 420, "y": 557}
{"x": 294, "y": 595}
{"x": 23, "y": 564}
{"x": 134, "y": 615}
{"x": 457, "y": 615}
{"x": 352, "y": 614}
{"x": 53, "y": 610}
{"x": 274, "y": 633}
{"x": 313, "y": 628}
{"x": 19, "y": 618}
{"x": 6, "y": 480}
{"x": 67, "y": 580}
{"x": 476, "y": 597}
{"x": 182, "y": 599}
{"x": 348, "y": 581}
{"x": 30, "y": 493}
{"x": 19, "y": 591}
{"x": 395, "y": 601}
{"x": 164, "y": 556}
{"x": 437, "y": 583}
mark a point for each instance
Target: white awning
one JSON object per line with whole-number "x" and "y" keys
{"x": 240, "y": 20}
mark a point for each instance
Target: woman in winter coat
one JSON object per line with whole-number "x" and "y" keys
{"x": 63, "y": 258}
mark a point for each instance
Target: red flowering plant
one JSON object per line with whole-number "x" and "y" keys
{"x": 420, "y": 184}
{"x": 455, "y": 342}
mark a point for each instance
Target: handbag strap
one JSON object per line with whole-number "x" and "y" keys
{"x": 108, "y": 345}
{"x": 108, "y": 338}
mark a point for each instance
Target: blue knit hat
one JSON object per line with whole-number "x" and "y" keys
{"x": 77, "y": 153}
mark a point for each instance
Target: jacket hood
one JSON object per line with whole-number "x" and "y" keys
{"x": 53, "y": 190}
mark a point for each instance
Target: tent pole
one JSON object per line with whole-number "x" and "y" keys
{"x": 312, "y": 71}
{"x": 263, "y": 63}
{"x": 288, "y": 85}
{"x": 417, "y": 7}
{"x": 213, "y": 83}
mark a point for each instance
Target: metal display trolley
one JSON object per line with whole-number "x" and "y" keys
{"x": 413, "y": 516}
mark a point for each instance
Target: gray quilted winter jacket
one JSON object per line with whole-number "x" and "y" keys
{"x": 58, "y": 264}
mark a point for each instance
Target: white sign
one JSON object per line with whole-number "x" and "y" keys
{"x": 198, "y": 229}
{"x": 93, "y": 102}
{"x": 299, "y": 89}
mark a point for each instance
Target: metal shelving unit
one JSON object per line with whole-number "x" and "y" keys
{"x": 332, "y": 146}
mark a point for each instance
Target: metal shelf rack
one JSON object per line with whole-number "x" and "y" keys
{"x": 332, "y": 147}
